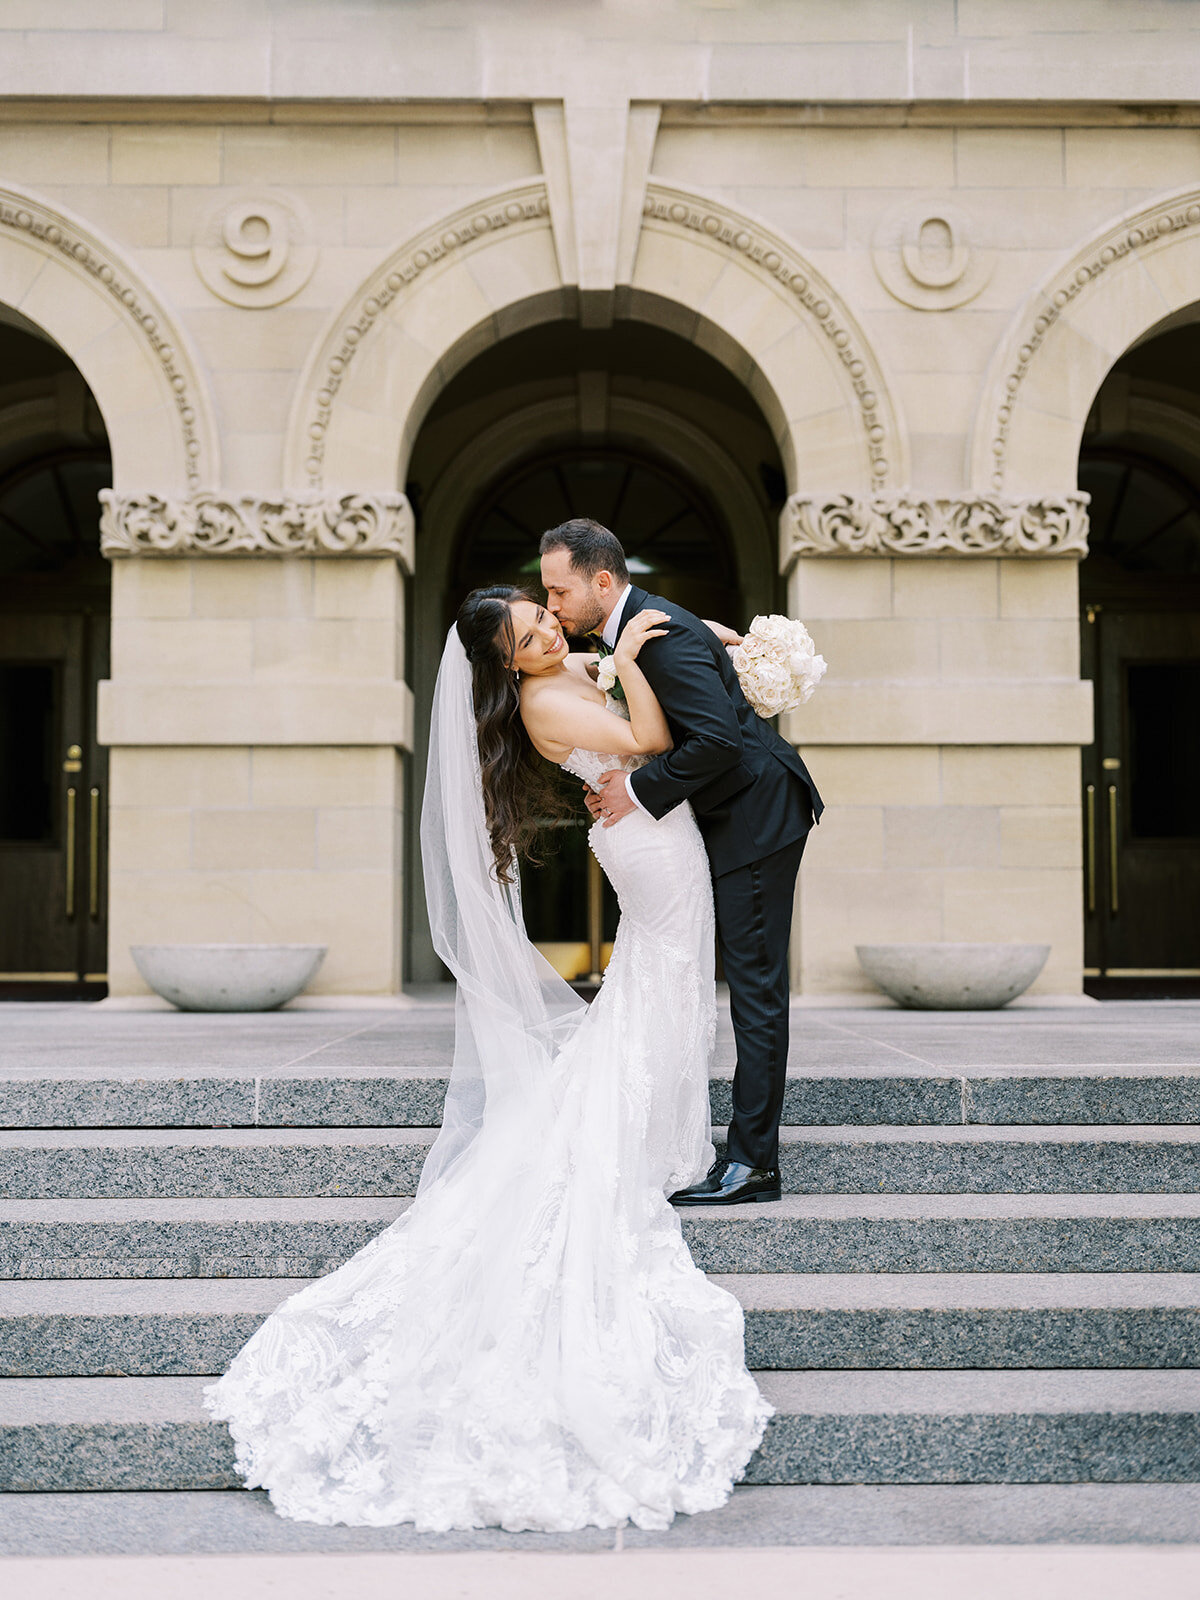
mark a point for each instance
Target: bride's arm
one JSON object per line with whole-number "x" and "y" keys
{"x": 725, "y": 634}
{"x": 645, "y": 714}
{"x": 561, "y": 721}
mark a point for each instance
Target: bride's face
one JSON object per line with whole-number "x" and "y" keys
{"x": 540, "y": 646}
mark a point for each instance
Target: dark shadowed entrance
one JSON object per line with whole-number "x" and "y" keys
{"x": 54, "y": 626}
{"x": 636, "y": 428}
{"x": 1140, "y": 611}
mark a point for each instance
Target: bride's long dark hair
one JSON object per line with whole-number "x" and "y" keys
{"x": 519, "y": 793}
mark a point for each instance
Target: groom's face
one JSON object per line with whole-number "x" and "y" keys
{"x": 580, "y": 604}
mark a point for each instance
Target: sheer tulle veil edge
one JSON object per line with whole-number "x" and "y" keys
{"x": 513, "y": 1012}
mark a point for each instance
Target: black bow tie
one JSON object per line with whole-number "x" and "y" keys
{"x": 602, "y": 646}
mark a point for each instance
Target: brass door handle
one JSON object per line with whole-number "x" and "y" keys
{"x": 70, "y": 907}
{"x": 1090, "y": 847}
{"x": 94, "y": 854}
{"x": 1114, "y": 899}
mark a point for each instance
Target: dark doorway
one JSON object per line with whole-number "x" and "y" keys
{"x": 54, "y": 636}
{"x": 637, "y": 427}
{"x": 1140, "y": 611}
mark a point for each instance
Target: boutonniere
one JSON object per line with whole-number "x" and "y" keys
{"x": 606, "y": 678}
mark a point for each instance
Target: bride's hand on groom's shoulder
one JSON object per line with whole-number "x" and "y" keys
{"x": 645, "y": 625}
{"x": 728, "y": 636}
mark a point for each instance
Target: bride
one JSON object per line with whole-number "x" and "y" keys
{"x": 530, "y": 1345}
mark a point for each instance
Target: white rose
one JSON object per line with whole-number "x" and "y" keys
{"x": 606, "y": 674}
{"x": 772, "y": 629}
{"x": 767, "y": 686}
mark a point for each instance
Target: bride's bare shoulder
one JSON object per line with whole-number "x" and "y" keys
{"x": 544, "y": 706}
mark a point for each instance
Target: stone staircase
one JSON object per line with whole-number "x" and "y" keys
{"x": 977, "y": 1274}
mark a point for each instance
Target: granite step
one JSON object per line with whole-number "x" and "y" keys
{"x": 411, "y": 1095}
{"x": 250, "y": 1162}
{"x": 1130, "y": 1519}
{"x": 858, "y": 1233}
{"x": 1116, "y": 1426}
{"x": 179, "y": 1327}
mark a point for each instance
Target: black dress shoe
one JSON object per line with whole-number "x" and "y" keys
{"x": 730, "y": 1183}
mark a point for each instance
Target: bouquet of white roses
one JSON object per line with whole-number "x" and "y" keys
{"x": 777, "y": 665}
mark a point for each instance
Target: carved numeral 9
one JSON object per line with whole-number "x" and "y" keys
{"x": 258, "y": 238}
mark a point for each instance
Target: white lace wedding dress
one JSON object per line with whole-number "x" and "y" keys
{"x": 530, "y": 1345}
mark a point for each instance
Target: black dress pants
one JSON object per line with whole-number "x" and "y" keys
{"x": 754, "y": 923}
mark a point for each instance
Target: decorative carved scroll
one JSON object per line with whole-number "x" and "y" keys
{"x": 899, "y": 525}
{"x": 210, "y": 525}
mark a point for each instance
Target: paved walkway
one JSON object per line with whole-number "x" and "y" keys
{"x": 94, "y": 1041}
{"x": 1100, "y": 1573}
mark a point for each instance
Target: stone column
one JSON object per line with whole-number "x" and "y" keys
{"x": 258, "y": 718}
{"x": 946, "y": 735}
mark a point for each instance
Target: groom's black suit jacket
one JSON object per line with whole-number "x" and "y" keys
{"x": 749, "y": 789}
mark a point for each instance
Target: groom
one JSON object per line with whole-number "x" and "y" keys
{"x": 754, "y": 803}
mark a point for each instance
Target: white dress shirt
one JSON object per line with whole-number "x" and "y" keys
{"x": 609, "y": 634}
{"x": 609, "y": 631}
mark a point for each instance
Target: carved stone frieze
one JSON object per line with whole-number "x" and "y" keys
{"x": 904, "y": 525}
{"x": 674, "y": 208}
{"x": 54, "y": 232}
{"x": 212, "y": 525}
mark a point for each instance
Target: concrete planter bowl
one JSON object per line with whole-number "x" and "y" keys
{"x": 952, "y": 977}
{"x": 227, "y": 977}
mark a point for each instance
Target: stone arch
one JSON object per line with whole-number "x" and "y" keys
{"x": 79, "y": 288}
{"x": 680, "y": 443}
{"x": 703, "y": 270}
{"x": 1082, "y": 316}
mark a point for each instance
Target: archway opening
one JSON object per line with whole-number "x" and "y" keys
{"x": 54, "y": 632}
{"x": 1140, "y": 621}
{"x": 636, "y": 427}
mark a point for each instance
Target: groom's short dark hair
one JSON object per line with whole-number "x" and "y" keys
{"x": 591, "y": 546}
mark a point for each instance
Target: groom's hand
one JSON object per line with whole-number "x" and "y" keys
{"x": 614, "y": 796}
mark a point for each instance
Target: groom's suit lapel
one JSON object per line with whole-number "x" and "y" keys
{"x": 635, "y": 603}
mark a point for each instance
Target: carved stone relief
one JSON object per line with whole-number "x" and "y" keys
{"x": 256, "y": 250}
{"x": 1147, "y": 230}
{"x": 518, "y": 207}
{"x": 675, "y": 209}
{"x": 926, "y": 255}
{"x": 903, "y": 525}
{"x": 62, "y": 237}
{"x": 209, "y": 525}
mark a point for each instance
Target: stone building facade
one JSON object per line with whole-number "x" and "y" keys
{"x": 844, "y": 310}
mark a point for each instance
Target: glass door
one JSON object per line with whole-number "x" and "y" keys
{"x": 54, "y": 638}
{"x": 1140, "y": 621}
